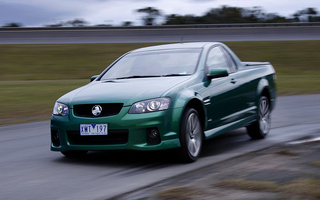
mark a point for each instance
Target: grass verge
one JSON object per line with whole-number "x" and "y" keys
{"x": 316, "y": 163}
{"x": 180, "y": 193}
{"x": 34, "y": 76}
{"x": 262, "y": 186}
{"x": 304, "y": 188}
{"x": 300, "y": 188}
{"x": 29, "y": 101}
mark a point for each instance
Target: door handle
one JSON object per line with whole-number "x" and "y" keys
{"x": 233, "y": 81}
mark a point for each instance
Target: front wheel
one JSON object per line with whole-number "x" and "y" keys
{"x": 190, "y": 136}
{"x": 260, "y": 128}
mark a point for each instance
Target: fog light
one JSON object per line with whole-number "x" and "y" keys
{"x": 55, "y": 139}
{"x": 153, "y": 136}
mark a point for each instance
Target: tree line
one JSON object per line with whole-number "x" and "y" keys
{"x": 221, "y": 15}
{"x": 227, "y": 14}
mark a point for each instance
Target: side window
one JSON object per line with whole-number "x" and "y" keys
{"x": 232, "y": 66}
{"x": 217, "y": 59}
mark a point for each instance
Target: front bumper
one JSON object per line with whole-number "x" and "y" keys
{"x": 126, "y": 131}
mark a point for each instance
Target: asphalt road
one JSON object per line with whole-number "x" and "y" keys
{"x": 29, "y": 170}
{"x": 160, "y": 35}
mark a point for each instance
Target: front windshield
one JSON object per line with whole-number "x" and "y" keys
{"x": 155, "y": 63}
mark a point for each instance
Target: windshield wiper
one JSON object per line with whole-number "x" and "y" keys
{"x": 150, "y": 76}
{"x": 167, "y": 75}
{"x": 136, "y": 76}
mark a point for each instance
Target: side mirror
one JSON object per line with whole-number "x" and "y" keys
{"x": 94, "y": 77}
{"x": 217, "y": 73}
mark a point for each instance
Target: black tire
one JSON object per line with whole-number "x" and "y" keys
{"x": 260, "y": 128}
{"x": 191, "y": 136}
{"x": 74, "y": 154}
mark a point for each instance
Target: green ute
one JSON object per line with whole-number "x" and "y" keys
{"x": 165, "y": 97}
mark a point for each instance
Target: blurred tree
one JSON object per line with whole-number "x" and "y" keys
{"x": 179, "y": 19}
{"x": 253, "y": 15}
{"x": 76, "y": 22}
{"x": 103, "y": 25}
{"x": 13, "y": 24}
{"x": 127, "y": 23}
{"x": 226, "y": 14}
{"x": 151, "y": 15}
{"x": 314, "y": 18}
{"x": 307, "y": 11}
{"x": 307, "y": 14}
{"x": 54, "y": 25}
{"x": 274, "y": 18}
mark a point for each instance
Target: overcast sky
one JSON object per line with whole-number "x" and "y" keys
{"x": 43, "y": 12}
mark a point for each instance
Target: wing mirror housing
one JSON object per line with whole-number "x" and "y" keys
{"x": 93, "y": 78}
{"x": 217, "y": 73}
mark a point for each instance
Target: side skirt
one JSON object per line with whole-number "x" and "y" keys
{"x": 228, "y": 127}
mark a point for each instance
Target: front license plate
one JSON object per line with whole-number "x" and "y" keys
{"x": 93, "y": 129}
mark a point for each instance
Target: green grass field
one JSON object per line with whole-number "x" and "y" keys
{"x": 34, "y": 76}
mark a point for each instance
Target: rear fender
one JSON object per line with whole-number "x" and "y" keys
{"x": 262, "y": 85}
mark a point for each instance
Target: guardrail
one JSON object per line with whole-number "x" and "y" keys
{"x": 166, "y": 26}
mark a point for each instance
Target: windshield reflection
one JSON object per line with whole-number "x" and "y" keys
{"x": 154, "y": 64}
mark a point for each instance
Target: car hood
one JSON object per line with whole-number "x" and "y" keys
{"x": 126, "y": 91}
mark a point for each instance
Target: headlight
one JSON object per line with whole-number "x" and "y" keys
{"x": 60, "y": 109}
{"x": 150, "y": 105}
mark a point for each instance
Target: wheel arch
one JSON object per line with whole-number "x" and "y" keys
{"x": 263, "y": 90}
{"x": 198, "y": 106}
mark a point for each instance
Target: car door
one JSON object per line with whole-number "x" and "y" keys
{"x": 244, "y": 93}
{"x": 220, "y": 96}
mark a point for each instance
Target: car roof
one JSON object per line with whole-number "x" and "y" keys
{"x": 189, "y": 45}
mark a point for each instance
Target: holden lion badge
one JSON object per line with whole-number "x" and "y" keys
{"x": 96, "y": 110}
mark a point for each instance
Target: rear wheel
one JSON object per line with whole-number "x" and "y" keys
{"x": 260, "y": 128}
{"x": 74, "y": 154}
{"x": 190, "y": 136}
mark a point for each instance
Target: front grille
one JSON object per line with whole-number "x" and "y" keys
{"x": 114, "y": 137}
{"x": 108, "y": 109}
